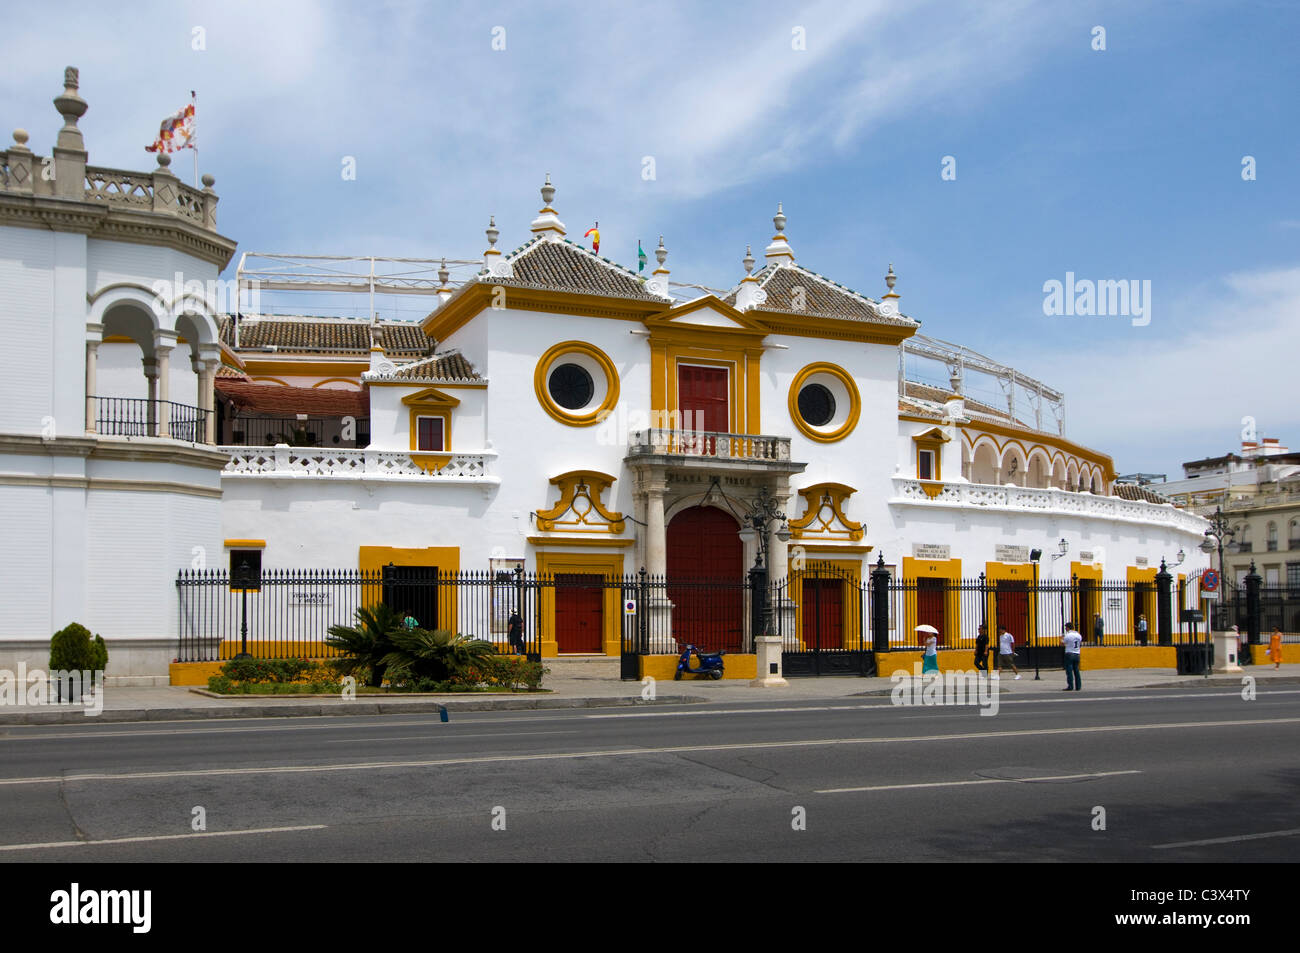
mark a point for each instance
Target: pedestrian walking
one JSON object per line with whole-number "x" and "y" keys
{"x": 1142, "y": 630}
{"x": 1007, "y": 650}
{"x": 930, "y": 657}
{"x": 1072, "y": 641}
{"x": 1275, "y": 647}
{"x": 982, "y": 649}
{"x": 515, "y": 633}
{"x": 1098, "y": 629}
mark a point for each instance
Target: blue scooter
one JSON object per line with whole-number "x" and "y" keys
{"x": 710, "y": 664}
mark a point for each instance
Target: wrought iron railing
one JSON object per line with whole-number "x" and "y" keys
{"x": 141, "y": 417}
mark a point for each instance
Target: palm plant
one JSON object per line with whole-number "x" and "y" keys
{"x": 436, "y": 655}
{"x": 366, "y": 644}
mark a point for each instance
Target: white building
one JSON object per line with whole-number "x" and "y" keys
{"x": 556, "y": 411}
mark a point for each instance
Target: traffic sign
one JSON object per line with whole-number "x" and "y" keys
{"x": 1210, "y": 581}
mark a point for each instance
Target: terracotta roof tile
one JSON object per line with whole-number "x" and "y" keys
{"x": 325, "y": 336}
{"x": 452, "y": 366}
{"x": 566, "y": 266}
{"x": 275, "y": 399}
{"x": 821, "y": 297}
{"x": 1131, "y": 491}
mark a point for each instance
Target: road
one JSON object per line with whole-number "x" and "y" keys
{"x": 1174, "y": 774}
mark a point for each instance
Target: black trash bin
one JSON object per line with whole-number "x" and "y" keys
{"x": 1194, "y": 659}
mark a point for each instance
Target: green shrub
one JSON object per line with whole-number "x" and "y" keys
{"x": 221, "y": 684}
{"x": 513, "y": 672}
{"x": 437, "y": 656}
{"x": 266, "y": 670}
{"x": 366, "y": 644}
{"x": 100, "y": 651}
{"x": 71, "y": 649}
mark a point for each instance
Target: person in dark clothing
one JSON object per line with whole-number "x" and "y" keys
{"x": 1098, "y": 630}
{"x": 515, "y": 633}
{"x": 982, "y": 649}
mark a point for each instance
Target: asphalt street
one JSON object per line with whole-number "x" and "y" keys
{"x": 1156, "y": 775}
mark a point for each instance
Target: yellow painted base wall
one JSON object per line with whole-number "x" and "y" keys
{"x": 662, "y": 667}
{"x": 194, "y": 673}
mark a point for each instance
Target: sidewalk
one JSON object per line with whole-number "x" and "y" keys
{"x": 585, "y": 685}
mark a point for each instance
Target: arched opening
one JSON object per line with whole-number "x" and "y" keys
{"x": 704, "y": 549}
{"x": 1038, "y": 470}
{"x": 1014, "y": 471}
{"x": 984, "y": 466}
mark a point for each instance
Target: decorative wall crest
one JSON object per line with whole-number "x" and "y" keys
{"x": 580, "y": 508}
{"x": 823, "y": 516}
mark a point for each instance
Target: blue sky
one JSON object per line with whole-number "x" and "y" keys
{"x": 1124, "y": 163}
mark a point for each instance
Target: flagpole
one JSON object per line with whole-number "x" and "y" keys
{"x": 195, "y": 101}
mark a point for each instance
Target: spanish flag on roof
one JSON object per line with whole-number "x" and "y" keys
{"x": 594, "y": 234}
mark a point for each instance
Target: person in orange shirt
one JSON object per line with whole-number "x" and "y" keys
{"x": 1275, "y": 647}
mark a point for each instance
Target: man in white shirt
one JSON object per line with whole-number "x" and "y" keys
{"x": 1007, "y": 650}
{"x": 1072, "y": 642}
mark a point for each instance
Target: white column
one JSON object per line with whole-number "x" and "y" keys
{"x": 656, "y": 530}
{"x": 163, "y": 342}
{"x": 207, "y": 371}
{"x": 94, "y": 336}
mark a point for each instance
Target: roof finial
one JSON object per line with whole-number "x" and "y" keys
{"x": 71, "y": 107}
{"x": 443, "y": 273}
{"x": 780, "y": 247}
{"x": 547, "y": 224}
{"x": 661, "y": 253}
{"x": 889, "y": 300}
{"x": 748, "y": 260}
{"x": 493, "y": 233}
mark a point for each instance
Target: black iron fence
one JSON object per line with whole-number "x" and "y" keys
{"x": 830, "y": 620}
{"x": 287, "y": 613}
{"x": 141, "y": 417}
{"x": 295, "y": 431}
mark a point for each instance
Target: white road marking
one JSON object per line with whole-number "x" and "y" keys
{"x": 158, "y": 837}
{"x": 629, "y": 752}
{"x": 957, "y": 784}
{"x": 1228, "y": 840}
{"x": 1003, "y": 701}
{"x": 432, "y": 737}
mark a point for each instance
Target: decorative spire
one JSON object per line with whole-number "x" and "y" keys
{"x": 889, "y": 301}
{"x": 661, "y": 255}
{"x": 748, "y": 262}
{"x": 444, "y": 292}
{"x": 780, "y": 249}
{"x": 547, "y": 224}
{"x": 71, "y": 107}
{"x": 493, "y": 254}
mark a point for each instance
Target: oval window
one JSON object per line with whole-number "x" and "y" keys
{"x": 816, "y": 405}
{"x": 571, "y": 386}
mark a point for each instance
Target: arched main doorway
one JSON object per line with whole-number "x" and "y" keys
{"x": 706, "y": 575}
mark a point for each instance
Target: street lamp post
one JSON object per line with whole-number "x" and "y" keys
{"x": 1214, "y": 539}
{"x": 762, "y": 515}
{"x": 1034, "y": 556}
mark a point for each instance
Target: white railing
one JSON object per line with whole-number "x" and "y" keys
{"x": 1032, "y": 500}
{"x": 702, "y": 443}
{"x": 283, "y": 461}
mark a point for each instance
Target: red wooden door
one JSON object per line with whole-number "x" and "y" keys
{"x": 1012, "y": 607}
{"x": 931, "y": 594}
{"x": 579, "y": 613}
{"x": 706, "y": 576}
{"x": 702, "y": 398}
{"x": 822, "y": 613}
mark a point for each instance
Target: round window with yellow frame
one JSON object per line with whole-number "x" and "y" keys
{"x": 576, "y": 383}
{"x": 824, "y": 402}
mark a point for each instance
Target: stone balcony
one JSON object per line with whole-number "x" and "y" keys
{"x": 313, "y": 463}
{"x": 63, "y": 192}
{"x": 700, "y": 449}
{"x": 1049, "y": 502}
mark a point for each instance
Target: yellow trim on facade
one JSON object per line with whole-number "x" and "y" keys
{"x": 340, "y": 380}
{"x": 1045, "y": 439}
{"x": 604, "y": 565}
{"x": 446, "y": 559}
{"x": 855, "y": 402}
{"x": 463, "y": 308}
{"x": 849, "y": 572}
{"x": 245, "y": 544}
{"x": 595, "y": 542}
{"x": 430, "y": 402}
{"x": 995, "y": 572}
{"x": 949, "y": 569}
{"x": 932, "y": 441}
{"x": 542, "y": 372}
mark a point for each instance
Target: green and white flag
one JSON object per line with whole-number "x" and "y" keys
{"x": 640, "y": 256}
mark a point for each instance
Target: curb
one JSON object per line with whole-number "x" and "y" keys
{"x": 72, "y": 716}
